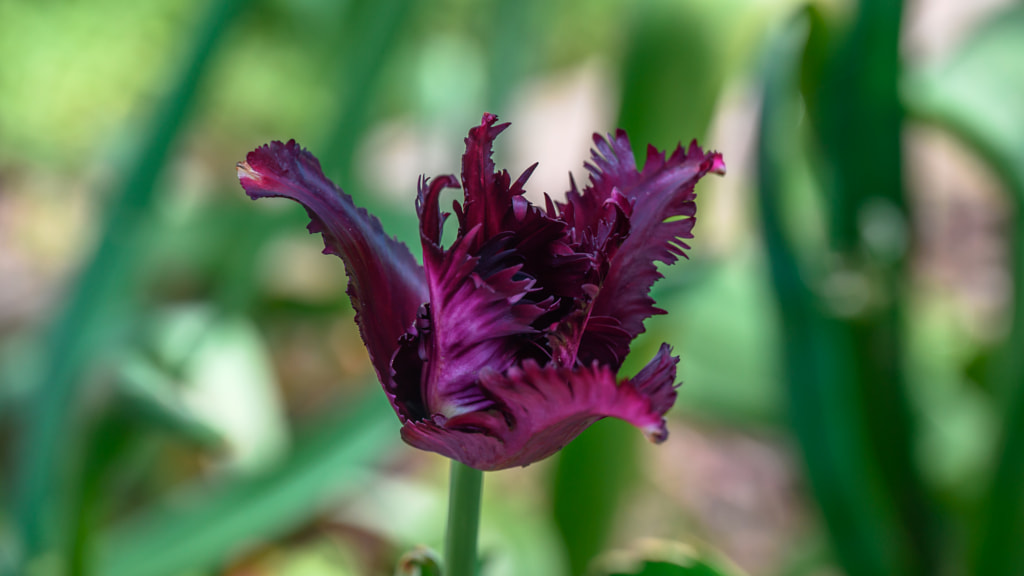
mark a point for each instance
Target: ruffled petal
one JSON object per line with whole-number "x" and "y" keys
{"x": 507, "y": 276}
{"x": 539, "y": 409}
{"x": 479, "y": 314}
{"x": 496, "y": 206}
{"x": 386, "y": 284}
{"x": 488, "y": 195}
{"x": 659, "y": 203}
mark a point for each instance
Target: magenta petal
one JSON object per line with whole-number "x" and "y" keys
{"x": 494, "y": 290}
{"x": 539, "y": 409}
{"x": 478, "y": 314}
{"x": 496, "y": 205}
{"x": 474, "y": 448}
{"x": 488, "y": 194}
{"x": 386, "y": 284}
{"x": 661, "y": 217}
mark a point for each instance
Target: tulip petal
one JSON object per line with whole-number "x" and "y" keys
{"x": 497, "y": 206}
{"x": 386, "y": 285}
{"x": 659, "y": 202}
{"x": 539, "y": 409}
{"x": 478, "y": 314}
{"x": 503, "y": 280}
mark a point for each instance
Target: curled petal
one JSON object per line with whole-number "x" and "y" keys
{"x": 386, "y": 284}
{"x": 539, "y": 409}
{"x": 488, "y": 194}
{"x": 479, "y": 315}
{"x": 496, "y": 205}
{"x": 661, "y": 216}
{"x": 506, "y": 277}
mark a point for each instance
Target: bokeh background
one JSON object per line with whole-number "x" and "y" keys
{"x": 183, "y": 391}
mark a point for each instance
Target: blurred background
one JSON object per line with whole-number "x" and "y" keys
{"x": 183, "y": 390}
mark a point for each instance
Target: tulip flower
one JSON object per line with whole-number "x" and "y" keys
{"x": 505, "y": 345}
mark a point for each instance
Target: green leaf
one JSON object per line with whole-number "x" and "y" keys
{"x": 370, "y": 30}
{"x": 591, "y": 477}
{"x": 825, "y": 391}
{"x": 663, "y": 558}
{"x": 147, "y": 396}
{"x": 207, "y": 526}
{"x": 421, "y": 561}
{"x": 976, "y": 95}
{"x": 96, "y": 310}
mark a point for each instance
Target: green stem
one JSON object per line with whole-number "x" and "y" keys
{"x": 463, "y": 520}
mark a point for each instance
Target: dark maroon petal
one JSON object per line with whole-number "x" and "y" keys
{"x": 479, "y": 314}
{"x": 472, "y": 447}
{"x": 656, "y": 383}
{"x": 539, "y": 409}
{"x": 497, "y": 206}
{"x": 488, "y": 194}
{"x": 386, "y": 284}
{"x": 507, "y": 276}
{"x": 659, "y": 203}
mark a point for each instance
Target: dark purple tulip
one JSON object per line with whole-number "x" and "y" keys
{"x": 504, "y": 346}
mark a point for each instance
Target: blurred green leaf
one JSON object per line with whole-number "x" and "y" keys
{"x": 824, "y": 395}
{"x": 509, "y": 55}
{"x": 421, "y": 561}
{"x": 206, "y": 527}
{"x": 149, "y": 397}
{"x": 976, "y": 94}
{"x": 591, "y": 476}
{"x": 662, "y": 558}
{"x": 858, "y": 115}
{"x": 672, "y": 73}
{"x": 97, "y": 306}
{"x": 859, "y": 122}
{"x": 370, "y": 30}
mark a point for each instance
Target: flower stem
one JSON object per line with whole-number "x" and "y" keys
{"x": 463, "y": 520}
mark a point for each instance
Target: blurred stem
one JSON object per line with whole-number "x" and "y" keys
{"x": 463, "y": 520}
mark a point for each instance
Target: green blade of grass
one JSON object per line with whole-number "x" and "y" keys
{"x": 859, "y": 121}
{"x": 819, "y": 351}
{"x": 591, "y": 477}
{"x": 371, "y": 30}
{"x": 207, "y": 527}
{"x": 975, "y": 94}
{"x": 89, "y": 319}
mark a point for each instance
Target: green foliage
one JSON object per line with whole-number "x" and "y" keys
{"x": 974, "y": 94}
{"x": 207, "y": 525}
{"x": 419, "y": 562}
{"x": 659, "y": 558}
{"x": 815, "y": 329}
{"x": 853, "y": 384}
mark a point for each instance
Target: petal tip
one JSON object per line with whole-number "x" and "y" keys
{"x": 717, "y": 164}
{"x": 246, "y": 172}
{"x": 656, "y": 434}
